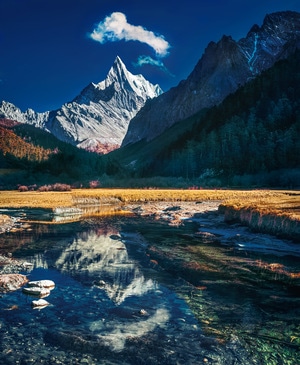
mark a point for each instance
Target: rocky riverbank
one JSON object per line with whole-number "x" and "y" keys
{"x": 10, "y": 278}
{"x": 174, "y": 212}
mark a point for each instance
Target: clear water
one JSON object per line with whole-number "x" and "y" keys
{"x": 136, "y": 291}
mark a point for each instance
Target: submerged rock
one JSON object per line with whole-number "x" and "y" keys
{"x": 100, "y": 283}
{"x": 39, "y": 288}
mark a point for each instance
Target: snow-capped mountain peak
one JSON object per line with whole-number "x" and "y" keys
{"x": 99, "y": 116}
{"x": 118, "y": 73}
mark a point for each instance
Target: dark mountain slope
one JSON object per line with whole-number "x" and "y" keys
{"x": 223, "y": 68}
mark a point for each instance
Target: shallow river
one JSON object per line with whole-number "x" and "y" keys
{"x": 132, "y": 290}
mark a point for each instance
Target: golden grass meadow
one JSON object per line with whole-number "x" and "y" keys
{"x": 277, "y": 202}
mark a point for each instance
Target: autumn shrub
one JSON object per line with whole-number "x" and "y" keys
{"x": 44, "y": 188}
{"x": 23, "y": 188}
{"x": 61, "y": 187}
{"x": 94, "y": 184}
{"x": 55, "y": 187}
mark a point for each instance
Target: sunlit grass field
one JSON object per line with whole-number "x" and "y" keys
{"x": 285, "y": 204}
{"x": 266, "y": 201}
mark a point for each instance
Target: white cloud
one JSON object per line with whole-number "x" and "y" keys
{"x": 115, "y": 28}
{"x": 147, "y": 60}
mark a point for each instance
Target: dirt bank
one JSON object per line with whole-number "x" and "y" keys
{"x": 281, "y": 225}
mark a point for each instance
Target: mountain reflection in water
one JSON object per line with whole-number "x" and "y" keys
{"x": 104, "y": 261}
{"x": 114, "y": 303}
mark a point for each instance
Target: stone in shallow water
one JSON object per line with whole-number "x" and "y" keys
{"x": 37, "y": 291}
{"x": 143, "y": 312}
{"x": 42, "y": 284}
{"x": 100, "y": 283}
{"x": 27, "y": 265}
{"x": 40, "y": 303}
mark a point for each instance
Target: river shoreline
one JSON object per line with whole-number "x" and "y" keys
{"x": 175, "y": 212}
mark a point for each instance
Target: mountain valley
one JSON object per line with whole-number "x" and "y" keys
{"x": 240, "y": 103}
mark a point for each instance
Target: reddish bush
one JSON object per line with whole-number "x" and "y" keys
{"x": 55, "y": 187}
{"x": 44, "y": 188}
{"x": 94, "y": 184}
{"x": 23, "y": 188}
{"x": 61, "y": 187}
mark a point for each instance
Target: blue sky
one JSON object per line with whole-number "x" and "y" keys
{"x": 52, "y": 49}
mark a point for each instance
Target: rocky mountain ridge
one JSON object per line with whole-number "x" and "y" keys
{"x": 98, "y": 118}
{"x": 223, "y": 68}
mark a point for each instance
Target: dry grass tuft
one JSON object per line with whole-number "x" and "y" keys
{"x": 283, "y": 203}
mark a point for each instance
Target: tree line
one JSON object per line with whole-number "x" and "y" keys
{"x": 253, "y": 131}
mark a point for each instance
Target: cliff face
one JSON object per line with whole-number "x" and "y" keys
{"x": 279, "y": 225}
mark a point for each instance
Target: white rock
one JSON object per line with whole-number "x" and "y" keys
{"x": 27, "y": 265}
{"x": 36, "y": 291}
{"x": 42, "y": 284}
{"x": 39, "y": 303}
{"x": 143, "y": 312}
